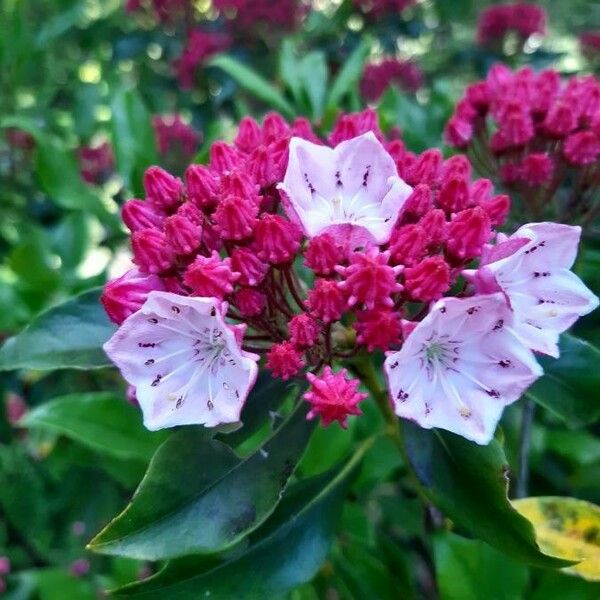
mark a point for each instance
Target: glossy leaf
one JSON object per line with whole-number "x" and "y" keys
{"x": 569, "y": 387}
{"x": 284, "y": 553}
{"x": 469, "y": 484}
{"x": 314, "y": 75}
{"x": 104, "y": 421}
{"x": 472, "y": 570}
{"x": 253, "y": 83}
{"x": 289, "y": 70}
{"x": 198, "y": 496}
{"x": 568, "y": 528}
{"x": 67, "y": 336}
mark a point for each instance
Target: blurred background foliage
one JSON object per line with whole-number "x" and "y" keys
{"x": 82, "y": 83}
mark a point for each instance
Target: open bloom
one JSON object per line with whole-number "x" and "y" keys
{"x": 460, "y": 367}
{"x": 532, "y": 268}
{"x": 184, "y": 361}
{"x": 352, "y": 191}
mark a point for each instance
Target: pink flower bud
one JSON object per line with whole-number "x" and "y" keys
{"x": 407, "y": 245}
{"x": 262, "y": 167}
{"x": 434, "y": 225}
{"x": 454, "y": 195}
{"x": 326, "y": 300}
{"x": 182, "y": 234}
{"x": 497, "y": 209}
{"x": 235, "y": 217}
{"x": 516, "y": 126}
{"x": 302, "y": 128}
{"x": 152, "y": 253}
{"x": 428, "y": 280}
{"x": 560, "y": 120}
{"x": 378, "y": 328}
{"x": 481, "y": 190}
{"x": 210, "y": 276}
{"x": 202, "y": 186}
{"x": 223, "y": 157}
{"x": 323, "y": 254}
{"x": 333, "y": 396}
{"x": 456, "y": 167}
{"x": 138, "y": 214}
{"x": 239, "y": 183}
{"x": 426, "y": 167}
{"x": 4, "y": 565}
{"x": 126, "y": 294}
{"x": 536, "y": 169}
{"x": 458, "y": 132}
{"x": 275, "y": 127}
{"x": 284, "y": 361}
{"x": 369, "y": 279}
{"x": 14, "y": 408}
{"x": 277, "y": 239}
{"x": 304, "y": 331}
{"x": 248, "y": 136}
{"x": 546, "y": 86}
{"x": 249, "y": 302}
{"x": 420, "y": 201}
{"x": 510, "y": 173}
{"x": 468, "y": 231}
{"x": 478, "y": 95}
{"x": 252, "y": 270}
{"x": 582, "y": 148}
{"x": 162, "y": 188}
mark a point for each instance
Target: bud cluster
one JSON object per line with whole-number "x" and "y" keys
{"x": 498, "y": 20}
{"x": 535, "y": 133}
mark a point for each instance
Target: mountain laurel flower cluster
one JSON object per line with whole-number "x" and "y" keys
{"x": 175, "y": 136}
{"x": 305, "y": 255}
{"x": 498, "y": 20}
{"x": 377, "y": 77}
{"x": 539, "y": 135}
{"x": 96, "y": 163}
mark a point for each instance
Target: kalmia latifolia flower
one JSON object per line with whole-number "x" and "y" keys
{"x": 498, "y": 20}
{"x": 96, "y": 163}
{"x": 537, "y": 134}
{"x": 175, "y": 136}
{"x": 306, "y": 254}
{"x": 377, "y": 77}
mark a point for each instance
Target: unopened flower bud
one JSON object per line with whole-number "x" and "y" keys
{"x": 152, "y": 253}
{"x": 427, "y": 280}
{"x": 162, "y": 188}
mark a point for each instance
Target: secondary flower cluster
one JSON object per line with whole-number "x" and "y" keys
{"x": 535, "y": 132}
{"x": 174, "y": 136}
{"x": 96, "y": 163}
{"x": 377, "y": 77}
{"x": 244, "y": 15}
{"x": 590, "y": 44}
{"x": 498, "y": 20}
{"x": 321, "y": 252}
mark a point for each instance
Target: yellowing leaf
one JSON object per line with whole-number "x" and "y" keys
{"x": 567, "y": 528}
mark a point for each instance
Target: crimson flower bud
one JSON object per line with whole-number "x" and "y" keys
{"x": 426, "y": 167}
{"x": 210, "y": 276}
{"x": 420, "y": 201}
{"x": 275, "y": 127}
{"x": 378, "y": 328}
{"x": 407, "y": 245}
{"x": 277, "y": 239}
{"x": 252, "y": 270}
{"x": 468, "y": 231}
{"x": 152, "y": 253}
{"x": 497, "y": 209}
{"x": 434, "y": 224}
{"x": 248, "y": 136}
{"x": 126, "y": 294}
{"x": 454, "y": 195}
{"x": 284, "y": 360}
{"x": 138, "y": 214}
{"x": 235, "y": 217}
{"x": 536, "y": 169}
{"x": 458, "y": 132}
{"x": 182, "y": 233}
{"x": 202, "y": 186}
{"x": 304, "y": 330}
{"x": 223, "y": 157}
{"x": 249, "y": 302}
{"x": 582, "y": 148}
{"x": 326, "y": 300}
{"x": 162, "y": 188}
{"x": 427, "y": 280}
{"x": 323, "y": 254}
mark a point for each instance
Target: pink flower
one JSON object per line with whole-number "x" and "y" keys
{"x": 378, "y": 328}
{"x": 182, "y": 233}
{"x": 138, "y": 214}
{"x": 277, "y": 239}
{"x": 173, "y": 135}
{"x": 377, "y": 77}
{"x": 333, "y": 396}
{"x": 152, "y": 253}
{"x": 499, "y": 19}
{"x": 211, "y": 276}
{"x": 162, "y": 188}
{"x": 96, "y": 163}
{"x": 536, "y": 169}
{"x": 326, "y": 300}
{"x": 184, "y": 361}
{"x": 252, "y": 269}
{"x": 304, "y": 331}
{"x": 284, "y": 360}
{"x": 467, "y": 232}
{"x": 545, "y": 296}
{"x": 408, "y": 244}
{"x": 323, "y": 254}
{"x": 352, "y": 192}
{"x": 126, "y": 294}
{"x": 235, "y": 217}
{"x": 427, "y": 280}
{"x": 202, "y": 186}
{"x": 369, "y": 279}
{"x": 460, "y": 367}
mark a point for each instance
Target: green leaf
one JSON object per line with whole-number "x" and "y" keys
{"x": 469, "y": 484}
{"x": 67, "y": 336}
{"x": 349, "y": 74}
{"x": 314, "y": 74}
{"x": 132, "y": 137}
{"x": 289, "y": 70}
{"x": 103, "y": 421}
{"x": 472, "y": 570}
{"x": 569, "y": 387}
{"x": 198, "y": 496}
{"x": 253, "y": 83}
{"x": 284, "y": 553}
{"x": 556, "y": 586}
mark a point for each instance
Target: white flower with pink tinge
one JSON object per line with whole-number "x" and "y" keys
{"x": 352, "y": 191}
{"x": 184, "y": 361}
{"x": 460, "y": 367}
{"x": 532, "y": 268}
